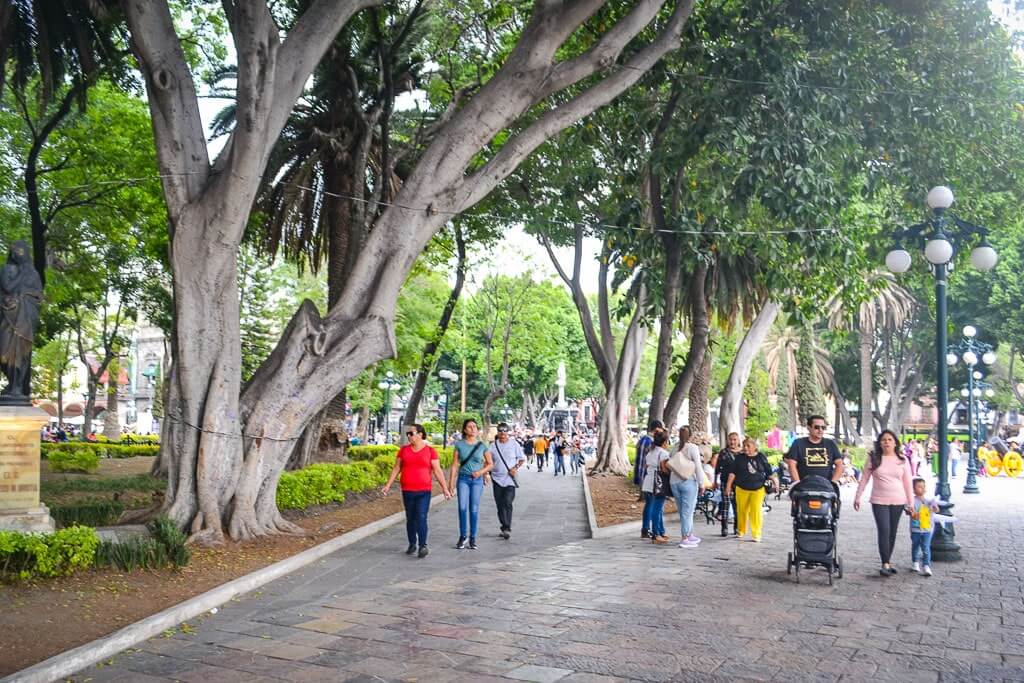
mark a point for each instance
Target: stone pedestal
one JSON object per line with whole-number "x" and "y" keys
{"x": 20, "y": 509}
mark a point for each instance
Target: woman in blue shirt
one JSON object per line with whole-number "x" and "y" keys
{"x": 471, "y": 462}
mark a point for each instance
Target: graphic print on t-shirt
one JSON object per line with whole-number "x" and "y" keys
{"x": 816, "y": 456}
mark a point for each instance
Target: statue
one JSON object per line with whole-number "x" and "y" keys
{"x": 21, "y": 293}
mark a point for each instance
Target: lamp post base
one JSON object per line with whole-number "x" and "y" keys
{"x": 944, "y": 545}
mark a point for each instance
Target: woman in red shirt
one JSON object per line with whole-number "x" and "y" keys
{"x": 417, "y": 461}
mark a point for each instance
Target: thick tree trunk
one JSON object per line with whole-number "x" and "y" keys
{"x": 867, "y": 422}
{"x": 611, "y": 443}
{"x": 111, "y": 422}
{"x": 699, "y": 395}
{"x": 90, "y": 406}
{"x": 666, "y": 332}
{"x": 430, "y": 350}
{"x": 700, "y": 329}
{"x": 730, "y": 418}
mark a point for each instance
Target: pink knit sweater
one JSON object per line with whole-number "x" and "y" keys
{"x": 891, "y": 482}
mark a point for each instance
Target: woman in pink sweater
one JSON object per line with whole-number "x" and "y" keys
{"x": 891, "y": 493}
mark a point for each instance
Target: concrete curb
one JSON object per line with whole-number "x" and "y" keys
{"x": 614, "y": 530}
{"x": 66, "y": 663}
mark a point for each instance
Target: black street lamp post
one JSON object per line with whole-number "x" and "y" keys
{"x": 972, "y": 351}
{"x": 388, "y": 384}
{"x": 447, "y": 377}
{"x": 941, "y": 235}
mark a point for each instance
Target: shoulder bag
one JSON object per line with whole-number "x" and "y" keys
{"x": 682, "y": 465}
{"x": 497, "y": 449}
{"x": 661, "y": 488}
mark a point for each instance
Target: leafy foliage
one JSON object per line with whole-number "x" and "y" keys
{"x": 85, "y": 460}
{"x": 28, "y": 555}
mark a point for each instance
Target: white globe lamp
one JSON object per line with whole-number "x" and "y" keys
{"x": 938, "y": 250}
{"x": 988, "y": 358}
{"x": 951, "y": 359}
{"x": 970, "y": 331}
{"x": 970, "y": 358}
{"x": 940, "y": 198}
{"x": 898, "y": 260}
{"x": 964, "y": 393}
{"x": 984, "y": 257}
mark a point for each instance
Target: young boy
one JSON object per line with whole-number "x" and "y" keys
{"x": 921, "y": 526}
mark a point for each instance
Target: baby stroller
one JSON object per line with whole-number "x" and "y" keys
{"x": 814, "y": 503}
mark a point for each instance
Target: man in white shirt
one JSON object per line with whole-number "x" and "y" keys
{"x": 508, "y": 458}
{"x": 954, "y": 455}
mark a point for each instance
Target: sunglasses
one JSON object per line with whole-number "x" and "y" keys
{"x": 409, "y": 434}
{"x": 503, "y": 431}
{"x": 817, "y": 426}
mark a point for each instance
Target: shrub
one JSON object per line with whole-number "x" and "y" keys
{"x": 313, "y": 485}
{"x": 370, "y": 452}
{"x": 104, "y": 450}
{"x": 46, "y": 555}
{"x": 433, "y": 426}
{"x": 166, "y": 547}
{"x": 95, "y": 512}
{"x": 76, "y": 460}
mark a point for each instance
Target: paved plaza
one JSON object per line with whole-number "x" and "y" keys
{"x": 552, "y": 605}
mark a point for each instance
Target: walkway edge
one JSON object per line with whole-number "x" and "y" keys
{"x": 66, "y": 663}
{"x": 615, "y": 529}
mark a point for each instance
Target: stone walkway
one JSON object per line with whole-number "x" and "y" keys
{"x": 550, "y": 606}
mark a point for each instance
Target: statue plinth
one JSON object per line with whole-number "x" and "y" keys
{"x": 20, "y": 509}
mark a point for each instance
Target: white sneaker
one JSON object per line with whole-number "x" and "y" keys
{"x": 687, "y": 543}
{"x": 916, "y": 567}
{"x": 927, "y": 570}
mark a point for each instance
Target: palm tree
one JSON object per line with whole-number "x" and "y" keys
{"x": 887, "y": 309}
{"x": 781, "y": 348}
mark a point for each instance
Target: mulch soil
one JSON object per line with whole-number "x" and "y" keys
{"x": 46, "y": 617}
{"x": 615, "y": 499}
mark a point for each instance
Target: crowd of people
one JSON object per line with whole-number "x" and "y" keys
{"x": 475, "y": 463}
{"x": 738, "y": 477}
{"x": 735, "y": 481}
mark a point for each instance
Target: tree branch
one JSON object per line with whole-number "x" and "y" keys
{"x": 502, "y": 164}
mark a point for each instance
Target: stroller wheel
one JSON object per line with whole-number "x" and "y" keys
{"x": 789, "y": 564}
{"x": 830, "y": 577}
{"x": 796, "y": 566}
{"x": 839, "y": 567}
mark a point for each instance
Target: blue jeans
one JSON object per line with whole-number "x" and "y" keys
{"x": 417, "y": 505}
{"x": 648, "y": 506}
{"x": 559, "y": 464}
{"x": 469, "y": 491}
{"x": 685, "y": 493}
{"x": 921, "y": 541}
{"x": 953, "y": 463}
{"x": 657, "y": 515}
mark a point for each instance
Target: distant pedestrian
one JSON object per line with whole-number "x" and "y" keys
{"x": 643, "y": 444}
{"x": 954, "y": 456}
{"x": 417, "y": 461}
{"x": 687, "y": 483}
{"x": 558, "y": 450}
{"x": 750, "y": 472}
{"x": 655, "y": 493}
{"x": 471, "y": 462}
{"x": 921, "y": 526}
{"x": 527, "y": 446}
{"x": 891, "y": 493}
{"x": 723, "y": 462}
{"x": 540, "y": 449}
{"x": 508, "y": 458}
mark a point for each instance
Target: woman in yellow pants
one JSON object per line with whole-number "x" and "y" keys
{"x": 749, "y": 474}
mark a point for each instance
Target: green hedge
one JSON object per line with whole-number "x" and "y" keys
{"x": 131, "y": 439}
{"x": 103, "y": 450}
{"x": 94, "y": 512}
{"x": 370, "y": 452}
{"x": 77, "y": 460}
{"x": 26, "y": 556}
{"x": 329, "y": 482}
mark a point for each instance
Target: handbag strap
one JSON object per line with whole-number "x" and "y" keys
{"x": 472, "y": 454}
{"x": 497, "y": 449}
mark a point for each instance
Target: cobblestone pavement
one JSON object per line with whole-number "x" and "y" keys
{"x": 551, "y": 606}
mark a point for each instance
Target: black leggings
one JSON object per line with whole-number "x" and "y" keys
{"x": 887, "y": 519}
